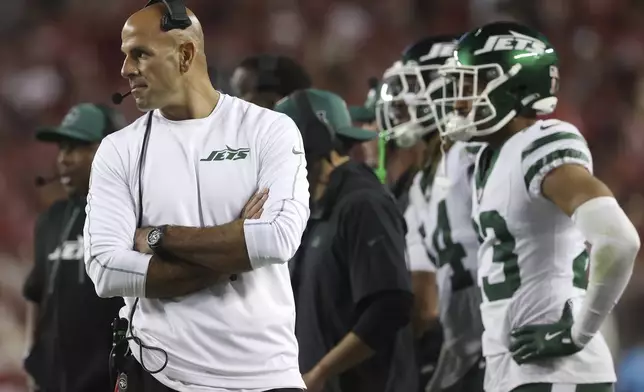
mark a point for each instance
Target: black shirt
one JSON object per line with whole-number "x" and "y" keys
{"x": 73, "y": 331}
{"x": 400, "y": 189}
{"x": 352, "y": 249}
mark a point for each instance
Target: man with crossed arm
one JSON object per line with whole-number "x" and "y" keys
{"x": 207, "y": 154}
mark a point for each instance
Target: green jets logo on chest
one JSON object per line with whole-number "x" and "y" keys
{"x": 228, "y": 154}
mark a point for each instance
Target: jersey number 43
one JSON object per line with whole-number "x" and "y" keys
{"x": 504, "y": 254}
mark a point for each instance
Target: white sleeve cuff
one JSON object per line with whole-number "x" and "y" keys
{"x": 266, "y": 243}
{"x": 119, "y": 273}
{"x": 253, "y": 234}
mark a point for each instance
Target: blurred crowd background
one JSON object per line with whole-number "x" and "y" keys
{"x": 56, "y": 53}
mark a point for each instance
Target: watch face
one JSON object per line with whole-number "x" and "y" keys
{"x": 154, "y": 236}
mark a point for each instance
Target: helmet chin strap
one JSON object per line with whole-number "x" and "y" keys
{"x": 440, "y": 178}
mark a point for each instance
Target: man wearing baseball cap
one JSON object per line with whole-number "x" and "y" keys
{"x": 351, "y": 285}
{"x": 69, "y": 325}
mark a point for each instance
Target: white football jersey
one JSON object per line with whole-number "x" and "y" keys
{"x": 450, "y": 242}
{"x": 532, "y": 259}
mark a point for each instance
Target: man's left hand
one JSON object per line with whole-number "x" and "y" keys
{"x": 537, "y": 342}
{"x": 141, "y": 240}
{"x": 314, "y": 380}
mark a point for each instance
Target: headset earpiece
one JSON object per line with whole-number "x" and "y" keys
{"x": 176, "y": 16}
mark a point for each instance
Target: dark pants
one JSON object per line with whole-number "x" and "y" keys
{"x": 579, "y": 388}
{"x": 138, "y": 380}
{"x": 472, "y": 381}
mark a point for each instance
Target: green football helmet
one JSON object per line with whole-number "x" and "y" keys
{"x": 402, "y": 113}
{"x": 500, "y": 71}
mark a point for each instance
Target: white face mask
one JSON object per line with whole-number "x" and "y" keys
{"x": 458, "y": 128}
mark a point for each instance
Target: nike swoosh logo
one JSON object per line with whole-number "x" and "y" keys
{"x": 550, "y": 336}
{"x": 294, "y": 151}
{"x": 550, "y": 125}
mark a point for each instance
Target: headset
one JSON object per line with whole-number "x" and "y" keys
{"x": 176, "y": 16}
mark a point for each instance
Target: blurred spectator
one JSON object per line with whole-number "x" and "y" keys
{"x": 68, "y": 324}
{"x": 265, "y": 79}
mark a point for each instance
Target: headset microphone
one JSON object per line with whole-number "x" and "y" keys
{"x": 117, "y": 98}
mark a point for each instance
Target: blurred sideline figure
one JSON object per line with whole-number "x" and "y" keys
{"x": 264, "y": 79}
{"x": 351, "y": 284}
{"x": 441, "y": 242}
{"x": 68, "y": 323}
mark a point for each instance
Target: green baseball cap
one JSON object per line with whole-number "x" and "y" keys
{"x": 331, "y": 109}
{"x": 367, "y": 112}
{"x": 85, "y": 122}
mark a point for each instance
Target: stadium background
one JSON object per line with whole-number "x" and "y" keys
{"x": 56, "y": 53}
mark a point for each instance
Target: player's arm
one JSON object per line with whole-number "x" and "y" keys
{"x": 115, "y": 268}
{"x": 423, "y": 271}
{"x": 243, "y": 245}
{"x": 425, "y": 310}
{"x": 613, "y": 239}
{"x": 373, "y": 232}
{"x": 558, "y": 167}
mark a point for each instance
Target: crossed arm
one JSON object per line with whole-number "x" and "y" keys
{"x": 201, "y": 257}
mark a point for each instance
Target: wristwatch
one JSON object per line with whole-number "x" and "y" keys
{"x": 155, "y": 237}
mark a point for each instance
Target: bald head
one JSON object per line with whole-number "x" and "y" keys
{"x": 162, "y": 65}
{"x": 148, "y": 21}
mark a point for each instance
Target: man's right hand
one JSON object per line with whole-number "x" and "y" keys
{"x": 254, "y": 207}
{"x": 532, "y": 343}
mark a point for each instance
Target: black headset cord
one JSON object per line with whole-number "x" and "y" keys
{"x": 130, "y": 332}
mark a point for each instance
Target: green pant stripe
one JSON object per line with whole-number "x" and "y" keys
{"x": 541, "y": 387}
{"x": 595, "y": 387}
{"x": 554, "y": 137}
{"x": 547, "y": 387}
{"x": 548, "y": 159}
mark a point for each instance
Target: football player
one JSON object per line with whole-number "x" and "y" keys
{"x": 535, "y": 204}
{"x": 441, "y": 239}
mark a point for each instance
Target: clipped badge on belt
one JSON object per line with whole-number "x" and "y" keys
{"x": 121, "y": 384}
